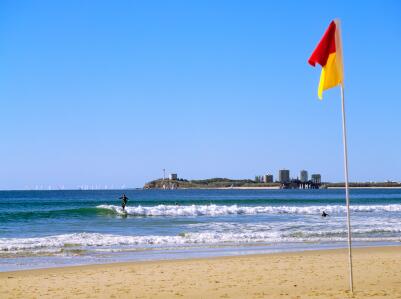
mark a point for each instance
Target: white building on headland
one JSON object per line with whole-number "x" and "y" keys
{"x": 268, "y": 178}
{"x": 303, "y": 176}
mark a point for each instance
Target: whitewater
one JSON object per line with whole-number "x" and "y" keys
{"x": 52, "y": 228}
{"x": 217, "y": 210}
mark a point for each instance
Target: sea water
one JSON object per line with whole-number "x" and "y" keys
{"x": 57, "y": 228}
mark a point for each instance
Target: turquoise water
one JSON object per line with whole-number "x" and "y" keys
{"x": 52, "y": 228}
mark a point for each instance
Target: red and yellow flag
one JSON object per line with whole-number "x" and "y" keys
{"x": 328, "y": 54}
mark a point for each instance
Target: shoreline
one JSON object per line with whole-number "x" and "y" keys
{"x": 279, "y": 253}
{"x": 269, "y": 188}
{"x": 379, "y": 187}
{"x": 312, "y": 273}
{"x": 206, "y": 188}
{"x": 28, "y": 263}
{"x": 42, "y": 262}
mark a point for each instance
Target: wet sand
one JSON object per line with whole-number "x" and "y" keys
{"x": 309, "y": 274}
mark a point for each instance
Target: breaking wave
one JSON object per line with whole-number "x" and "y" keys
{"x": 98, "y": 241}
{"x": 218, "y": 210}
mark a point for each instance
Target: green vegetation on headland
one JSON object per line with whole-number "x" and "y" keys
{"x": 205, "y": 184}
{"x": 216, "y": 183}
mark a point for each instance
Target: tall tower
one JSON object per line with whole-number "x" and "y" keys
{"x": 303, "y": 176}
{"x": 284, "y": 175}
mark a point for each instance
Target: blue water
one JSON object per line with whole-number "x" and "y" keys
{"x": 52, "y": 228}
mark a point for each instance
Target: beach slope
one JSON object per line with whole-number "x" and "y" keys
{"x": 311, "y": 274}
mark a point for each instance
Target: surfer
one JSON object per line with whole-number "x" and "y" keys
{"x": 124, "y": 200}
{"x": 324, "y": 214}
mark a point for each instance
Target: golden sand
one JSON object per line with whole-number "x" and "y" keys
{"x": 310, "y": 274}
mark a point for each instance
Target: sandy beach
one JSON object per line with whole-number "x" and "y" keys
{"x": 310, "y": 274}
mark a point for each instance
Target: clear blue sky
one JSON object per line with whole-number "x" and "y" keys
{"x": 112, "y": 92}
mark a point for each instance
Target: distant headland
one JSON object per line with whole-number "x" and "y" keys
{"x": 225, "y": 183}
{"x": 213, "y": 183}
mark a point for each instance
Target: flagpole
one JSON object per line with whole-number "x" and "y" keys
{"x": 351, "y": 278}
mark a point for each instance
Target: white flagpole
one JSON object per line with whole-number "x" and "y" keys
{"x": 351, "y": 279}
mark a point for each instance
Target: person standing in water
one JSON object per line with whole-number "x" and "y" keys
{"x": 124, "y": 200}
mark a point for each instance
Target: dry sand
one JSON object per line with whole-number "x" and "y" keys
{"x": 313, "y": 274}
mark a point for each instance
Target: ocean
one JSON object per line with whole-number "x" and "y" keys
{"x": 40, "y": 229}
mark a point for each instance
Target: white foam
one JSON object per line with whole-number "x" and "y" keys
{"x": 96, "y": 241}
{"x": 79, "y": 239}
{"x": 218, "y": 210}
{"x": 300, "y": 229}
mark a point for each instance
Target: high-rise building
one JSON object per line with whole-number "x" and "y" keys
{"x": 316, "y": 178}
{"x": 284, "y": 175}
{"x": 258, "y": 179}
{"x": 268, "y": 178}
{"x": 303, "y": 176}
{"x": 173, "y": 176}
